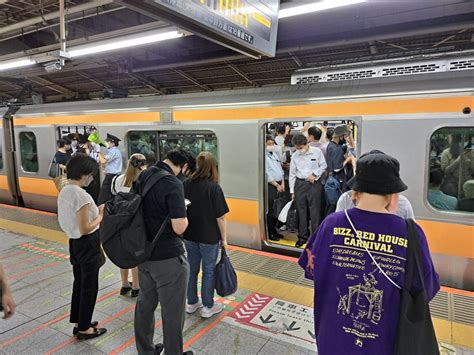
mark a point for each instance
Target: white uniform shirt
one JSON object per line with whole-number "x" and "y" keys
{"x": 273, "y": 169}
{"x": 70, "y": 200}
{"x": 304, "y": 164}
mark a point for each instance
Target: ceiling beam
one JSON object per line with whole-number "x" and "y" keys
{"x": 243, "y": 75}
{"x": 295, "y": 58}
{"x": 52, "y": 86}
{"x": 95, "y": 81}
{"x": 194, "y": 81}
{"x": 147, "y": 83}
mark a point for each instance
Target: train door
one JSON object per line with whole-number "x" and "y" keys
{"x": 284, "y": 226}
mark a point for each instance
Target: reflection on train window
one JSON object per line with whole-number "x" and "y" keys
{"x": 451, "y": 174}
{"x": 144, "y": 142}
{"x": 194, "y": 142}
{"x": 28, "y": 152}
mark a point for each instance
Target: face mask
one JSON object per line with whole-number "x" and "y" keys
{"x": 270, "y": 148}
{"x": 88, "y": 181}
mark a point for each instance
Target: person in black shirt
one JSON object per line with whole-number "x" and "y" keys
{"x": 189, "y": 168}
{"x": 207, "y": 228}
{"x": 63, "y": 155}
{"x": 164, "y": 277}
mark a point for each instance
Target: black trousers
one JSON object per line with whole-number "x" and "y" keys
{"x": 106, "y": 189}
{"x": 85, "y": 260}
{"x": 272, "y": 220}
{"x": 308, "y": 198}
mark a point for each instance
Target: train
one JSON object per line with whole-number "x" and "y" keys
{"x": 399, "y": 115}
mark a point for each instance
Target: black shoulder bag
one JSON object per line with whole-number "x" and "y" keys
{"x": 415, "y": 333}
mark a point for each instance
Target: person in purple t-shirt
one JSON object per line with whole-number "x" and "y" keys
{"x": 356, "y": 306}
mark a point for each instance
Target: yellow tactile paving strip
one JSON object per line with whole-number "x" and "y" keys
{"x": 449, "y": 332}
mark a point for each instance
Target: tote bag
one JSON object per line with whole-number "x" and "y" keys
{"x": 415, "y": 333}
{"x": 54, "y": 170}
{"x": 226, "y": 278}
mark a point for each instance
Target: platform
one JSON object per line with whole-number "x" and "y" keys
{"x": 270, "y": 314}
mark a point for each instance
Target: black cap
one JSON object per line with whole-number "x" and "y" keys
{"x": 112, "y": 138}
{"x": 378, "y": 174}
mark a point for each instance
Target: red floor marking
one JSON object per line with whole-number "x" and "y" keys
{"x": 47, "y": 324}
{"x": 130, "y": 341}
{"x": 204, "y": 330}
{"x": 264, "y": 253}
{"x": 13, "y": 254}
{"x": 73, "y": 339}
{"x": 457, "y": 291}
{"x": 45, "y": 251}
{"x": 20, "y": 275}
{"x": 28, "y": 210}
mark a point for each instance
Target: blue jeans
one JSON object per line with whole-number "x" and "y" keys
{"x": 208, "y": 254}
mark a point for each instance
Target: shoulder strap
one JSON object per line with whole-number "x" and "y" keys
{"x": 413, "y": 255}
{"x": 370, "y": 254}
{"x": 151, "y": 180}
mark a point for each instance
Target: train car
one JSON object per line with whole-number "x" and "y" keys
{"x": 403, "y": 116}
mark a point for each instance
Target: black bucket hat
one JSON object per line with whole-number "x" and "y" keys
{"x": 378, "y": 174}
{"x": 341, "y": 130}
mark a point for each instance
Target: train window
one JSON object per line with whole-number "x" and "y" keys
{"x": 29, "y": 152}
{"x": 194, "y": 142}
{"x": 144, "y": 142}
{"x": 451, "y": 174}
{"x": 310, "y": 206}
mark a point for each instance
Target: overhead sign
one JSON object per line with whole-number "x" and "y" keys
{"x": 247, "y": 26}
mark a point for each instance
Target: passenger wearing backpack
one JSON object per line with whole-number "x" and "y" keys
{"x": 164, "y": 277}
{"x": 123, "y": 183}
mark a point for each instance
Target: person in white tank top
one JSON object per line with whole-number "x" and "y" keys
{"x": 123, "y": 183}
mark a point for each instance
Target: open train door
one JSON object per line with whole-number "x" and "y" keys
{"x": 9, "y": 185}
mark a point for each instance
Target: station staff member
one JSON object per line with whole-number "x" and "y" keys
{"x": 113, "y": 166}
{"x": 306, "y": 168}
{"x": 275, "y": 182}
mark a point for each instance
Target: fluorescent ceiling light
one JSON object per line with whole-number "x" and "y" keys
{"x": 315, "y": 6}
{"x": 105, "y": 46}
{"x": 17, "y": 63}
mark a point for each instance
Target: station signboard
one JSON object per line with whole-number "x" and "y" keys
{"x": 247, "y": 26}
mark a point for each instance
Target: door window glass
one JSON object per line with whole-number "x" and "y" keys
{"x": 29, "y": 152}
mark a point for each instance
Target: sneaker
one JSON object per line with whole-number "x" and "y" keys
{"x": 191, "y": 308}
{"x": 209, "y": 312}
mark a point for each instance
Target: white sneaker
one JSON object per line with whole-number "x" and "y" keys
{"x": 191, "y": 308}
{"x": 209, "y": 312}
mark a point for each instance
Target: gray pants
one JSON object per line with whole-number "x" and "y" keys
{"x": 308, "y": 199}
{"x": 163, "y": 281}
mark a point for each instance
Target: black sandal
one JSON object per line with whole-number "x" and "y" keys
{"x": 135, "y": 292}
{"x": 75, "y": 330}
{"x": 125, "y": 289}
{"x": 98, "y": 332}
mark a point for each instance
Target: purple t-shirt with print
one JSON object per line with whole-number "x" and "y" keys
{"x": 356, "y": 308}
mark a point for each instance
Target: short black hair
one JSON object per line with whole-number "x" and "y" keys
{"x": 436, "y": 177}
{"x": 315, "y": 132}
{"x": 299, "y": 139}
{"x": 177, "y": 157}
{"x": 62, "y": 142}
{"x": 329, "y": 133}
{"x": 269, "y": 138}
{"x": 280, "y": 129}
{"x": 288, "y": 140}
{"x": 190, "y": 159}
{"x": 80, "y": 165}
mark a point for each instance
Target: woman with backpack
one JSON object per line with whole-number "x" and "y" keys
{"x": 207, "y": 228}
{"x": 123, "y": 183}
{"x": 361, "y": 261}
{"x": 79, "y": 217}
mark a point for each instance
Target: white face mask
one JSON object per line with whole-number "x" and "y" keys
{"x": 270, "y": 148}
{"x": 89, "y": 181}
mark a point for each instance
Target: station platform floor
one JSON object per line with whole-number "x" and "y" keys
{"x": 271, "y": 313}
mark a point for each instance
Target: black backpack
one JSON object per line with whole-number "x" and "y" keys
{"x": 123, "y": 232}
